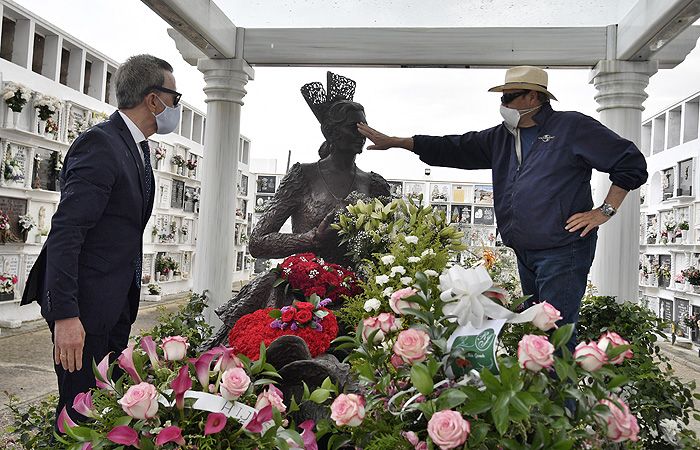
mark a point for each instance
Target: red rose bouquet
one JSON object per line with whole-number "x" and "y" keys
{"x": 311, "y": 321}
{"x": 309, "y": 274}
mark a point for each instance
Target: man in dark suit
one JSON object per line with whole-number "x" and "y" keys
{"x": 87, "y": 277}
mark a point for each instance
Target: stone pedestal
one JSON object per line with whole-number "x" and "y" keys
{"x": 225, "y": 88}
{"x": 620, "y": 94}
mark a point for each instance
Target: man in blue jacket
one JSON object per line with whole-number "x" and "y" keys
{"x": 541, "y": 162}
{"x": 87, "y": 277}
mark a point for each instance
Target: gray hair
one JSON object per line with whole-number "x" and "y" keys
{"x": 136, "y": 77}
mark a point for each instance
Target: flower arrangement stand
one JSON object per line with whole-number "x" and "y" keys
{"x": 7, "y": 296}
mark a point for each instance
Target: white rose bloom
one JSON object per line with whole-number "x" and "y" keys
{"x": 428, "y": 252}
{"x": 381, "y": 279}
{"x": 388, "y": 259}
{"x": 431, "y": 273}
{"x": 388, "y": 291}
{"x": 398, "y": 269}
{"x": 411, "y": 239}
{"x": 406, "y": 280}
{"x": 413, "y": 259}
{"x": 372, "y": 305}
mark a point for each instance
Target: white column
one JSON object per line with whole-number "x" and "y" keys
{"x": 620, "y": 93}
{"x": 225, "y": 88}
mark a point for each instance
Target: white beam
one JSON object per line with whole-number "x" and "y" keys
{"x": 425, "y": 47}
{"x": 652, "y": 24}
{"x": 201, "y": 22}
{"x": 674, "y": 53}
{"x": 187, "y": 49}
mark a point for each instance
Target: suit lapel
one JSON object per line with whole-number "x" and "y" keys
{"x": 129, "y": 141}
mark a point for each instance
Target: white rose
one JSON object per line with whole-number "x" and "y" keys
{"x": 411, "y": 239}
{"x": 406, "y": 281}
{"x": 413, "y": 259}
{"x": 372, "y": 305}
{"x": 381, "y": 279}
{"x": 428, "y": 252}
{"x": 387, "y": 292}
{"x": 388, "y": 259}
{"x": 397, "y": 269}
{"x": 431, "y": 273}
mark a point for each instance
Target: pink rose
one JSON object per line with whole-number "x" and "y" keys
{"x": 369, "y": 326}
{"x": 388, "y": 322}
{"x": 348, "y": 409}
{"x": 412, "y": 438}
{"x": 547, "y": 316}
{"x": 448, "y": 429}
{"x": 397, "y": 302}
{"x": 622, "y": 424}
{"x": 234, "y": 383}
{"x": 174, "y": 347}
{"x": 613, "y": 339}
{"x": 271, "y": 396}
{"x": 535, "y": 352}
{"x": 396, "y": 361}
{"x": 412, "y": 345}
{"x": 589, "y": 356}
{"x": 140, "y": 401}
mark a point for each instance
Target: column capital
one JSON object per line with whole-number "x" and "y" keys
{"x": 225, "y": 79}
{"x": 621, "y": 84}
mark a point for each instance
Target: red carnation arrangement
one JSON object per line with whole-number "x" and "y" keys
{"x": 309, "y": 274}
{"x": 311, "y": 321}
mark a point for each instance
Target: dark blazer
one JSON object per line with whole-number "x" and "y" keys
{"x": 86, "y": 268}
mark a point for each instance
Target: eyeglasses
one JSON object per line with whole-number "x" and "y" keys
{"x": 177, "y": 95}
{"x": 509, "y": 97}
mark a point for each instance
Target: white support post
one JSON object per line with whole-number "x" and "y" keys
{"x": 225, "y": 88}
{"x": 620, "y": 94}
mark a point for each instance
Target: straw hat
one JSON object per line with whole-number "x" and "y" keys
{"x": 525, "y": 77}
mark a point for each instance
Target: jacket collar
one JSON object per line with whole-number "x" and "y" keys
{"x": 128, "y": 139}
{"x": 543, "y": 114}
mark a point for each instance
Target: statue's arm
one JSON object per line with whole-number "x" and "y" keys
{"x": 266, "y": 241}
{"x": 378, "y": 187}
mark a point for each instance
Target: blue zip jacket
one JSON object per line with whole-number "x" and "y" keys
{"x": 534, "y": 199}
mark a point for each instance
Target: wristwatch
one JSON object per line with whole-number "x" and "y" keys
{"x": 608, "y": 209}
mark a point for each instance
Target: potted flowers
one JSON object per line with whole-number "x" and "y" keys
{"x": 153, "y": 293}
{"x": 176, "y": 163}
{"x": 7, "y": 287}
{"x": 191, "y": 167}
{"x": 693, "y": 276}
{"x": 683, "y": 227}
{"x": 16, "y": 96}
{"x": 5, "y": 232}
{"x": 26, "y": 223}
{"x": 46, "y": 106}
{"x": 159, "y": 155}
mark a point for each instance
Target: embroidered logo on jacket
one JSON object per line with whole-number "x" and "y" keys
{"x": 546, "y": 138}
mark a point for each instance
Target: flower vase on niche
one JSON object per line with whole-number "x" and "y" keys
{"x": 25, "y": 235}
{"x": 11, "y": 118}
{"x": 42, "y": 127}
{"x": 696, "y": 288}
{"x": 170, "y": 275}
{"x": 684, "y": 236}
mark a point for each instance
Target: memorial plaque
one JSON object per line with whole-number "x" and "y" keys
{"x": 10, "y": 264}
{"x": 147, "y": 266}
{"x": 483, "y": 195}
{"x": 13, "y": 207}
{"x": 461, "y": 214}
{"x": 267, "y": 184}
{"x": 261, "y": 202}
{"x": 16, "y": 156}
{"x": 163, "y": 193}
{"x": 682, "y": 310}
{"x": 189, "y": 199}
{"x": 29, "y": 263}
{"x": 667, "y": 310}
{"x": 396, "y": 189}
{"x": 44, "y": 176}
{"x": 461, "y": 193}
{"x": 186, "y": 262}
{"x": 483, "y": 215}
{"x": 439, "y": 192}
{"x": 239, "y": 261}
{"x": 177, "y": 198}
{"x": 243, "y": 188}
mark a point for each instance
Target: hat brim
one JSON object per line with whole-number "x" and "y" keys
{"x": 528, "y": 86}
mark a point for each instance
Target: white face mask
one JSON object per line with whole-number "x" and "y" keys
{"x": 168, "y": 119}
{"x": 511, "y": 116}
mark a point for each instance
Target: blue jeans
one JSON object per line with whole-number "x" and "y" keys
{"x": 558, "y": 276}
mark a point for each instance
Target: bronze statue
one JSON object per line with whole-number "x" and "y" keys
{"x": 311, "y": 194}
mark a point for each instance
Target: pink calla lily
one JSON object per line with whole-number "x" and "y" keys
{"x": 228, "y": 360}
{"x": 124, "y": 435}
{"x": 308, "y": 435}
{"x": 149, "y": 346}
{"x": 260, "y": 417}
{"x": 86, "y": 446}
{"x": 102, "y": 379}
{"x": 181, "y": 384}
{"x": 82, "y": 404}
{"x": 202, "y": 366}
{"x": 170, "y": 434}
{"x": 64, "y": 421}
{"x": 126, "y": 362}
{"x": 215, "y": 423}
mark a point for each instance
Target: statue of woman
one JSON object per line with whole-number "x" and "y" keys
{"x": 310, "y": 194}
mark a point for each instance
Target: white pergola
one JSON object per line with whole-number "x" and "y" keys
{"x": 622, "y": 57}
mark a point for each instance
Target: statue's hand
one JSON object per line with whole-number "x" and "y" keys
{"x": 380, "y": 140}
{"x": 324, "y": 232}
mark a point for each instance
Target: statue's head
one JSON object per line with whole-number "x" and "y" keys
{"x": 337, "y": 114}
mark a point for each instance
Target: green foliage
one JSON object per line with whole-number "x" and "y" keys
{"x": 654, "y": 393}
{"x": 188, "y": 322}
{"x": 388, "y": 442}
{"x": 31, "y": 428}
